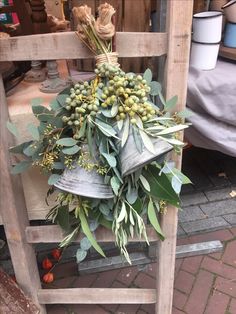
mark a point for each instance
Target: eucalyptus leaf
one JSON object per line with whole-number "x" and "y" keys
{"x": 117, "y": 174}
{"x": 153, "y": 219}
{"x": 33, "y": 130}
{"x": 21, "y": 167}
{"x": 58, "y": 165}
{"x": 131, "y": 218}
{"x": 53, "y": 179}
{"x": 147, "y": 141}
{"x": 106, "y": 112}
{"x": 18, "y": 149}
{"x": 147, "y": 75}
{"x": 105, "y": 128}
{"x": 176, "y": 184}
{"x": 145, "y": 183}
{"x": 85, "y": 244}
{"x": 37, "y": 110}
{"x": 104, "y": 209}
{"x": 36, "y": 101}
{"x": 115, "y": 184}
{"x": 33, "y": 149}
{"x": 71, "y": 150}
{"x": 12, "y": 128}
{"x": 172, "y": 129}
{"x": 63, "y": 218}
{"x": 70, "y": 237}
{"x": 132, "y": 195}
{"x": 155, "y": 88}
{"x": 110, "y": 159}
{"x": 125, "y": 133}
{"x": 45, "y": 117}
{"x": 82, "y": 129}
{"x": 66, "y": 141}
{"x": 120, "y": 124}
{"x": 122, "y": 214}
{"x": 80, "y": 255}
{"x": 54, "y": 105}
{"x": 114, "y": 109}
{"x": 171, "y": 103}
{"x": 137, "y": 140}
{"x": 172, "y": 141}
{"x": 87, "y": 232}
{"x": 186, "y": 113}
{"x": 61, "y": 98}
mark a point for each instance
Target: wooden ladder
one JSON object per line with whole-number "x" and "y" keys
{"x": 175, "y": 44}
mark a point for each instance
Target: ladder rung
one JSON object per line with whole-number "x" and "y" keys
{"x": 54, "y": 234}
{"x": 97, "y": 296}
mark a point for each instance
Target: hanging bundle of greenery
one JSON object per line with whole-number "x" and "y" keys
{"x": 104, "y": 145}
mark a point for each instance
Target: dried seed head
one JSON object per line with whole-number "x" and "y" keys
{"x": 103, "y": 25}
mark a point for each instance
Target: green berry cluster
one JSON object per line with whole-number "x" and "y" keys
{"x": 80, "y": 103}
{"x": 129, "y": 91}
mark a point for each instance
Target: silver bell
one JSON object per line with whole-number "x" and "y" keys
{"x": 132, "y": 160}
{"x": 85, "y": 183}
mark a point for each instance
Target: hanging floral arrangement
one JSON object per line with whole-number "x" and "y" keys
{"x": 104, "y": 145}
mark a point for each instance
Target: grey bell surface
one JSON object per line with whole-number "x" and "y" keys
{"x": 132, "y": 160}
{"x": 85, "y": 183}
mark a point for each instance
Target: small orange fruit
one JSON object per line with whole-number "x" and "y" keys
{"x": 49, "y": 277}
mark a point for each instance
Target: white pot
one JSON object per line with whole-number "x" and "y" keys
{"x": 204, "y": 56}
{"x": 230, "y": 11}
{"x": 207, "y": 26}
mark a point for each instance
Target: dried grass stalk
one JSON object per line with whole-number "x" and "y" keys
{"x": 103, "y": 25}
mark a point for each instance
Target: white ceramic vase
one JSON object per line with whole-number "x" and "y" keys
{"x": 207, "y": 26}
{"x": 204, "y": 56}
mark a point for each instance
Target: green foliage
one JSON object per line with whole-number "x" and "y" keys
{"x": 89, "y": 126}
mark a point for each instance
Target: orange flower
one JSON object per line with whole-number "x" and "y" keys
{"x": 56, "y": 253}
{"x": 49, "y": 277}
{"x": 47, "y": 264}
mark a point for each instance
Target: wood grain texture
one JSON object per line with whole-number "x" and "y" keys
{"x": 12, "y": 298}
{"x": 228, "y": 53}
{"x": 179, "y": 20}
{"x": 97, "y": 296}
{"x": 68, "y": 46}
{"x": 14, "y": 214}
{"x": 54, "y": 234}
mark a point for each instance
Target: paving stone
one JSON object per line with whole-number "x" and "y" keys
{"x": 232, "y": 307}
{"x": 128, "y": 308}
{"x": 145, "y": 281}
{"x": 204, "y": 225}
{"x": 197, "y": 300}
{"x": 218, "y": 267}
{"x": 179, "y": 299}
{"x": 192, "y": 264}
{"x": 218, "y": 194}
{"x": 229, "y": 256}
{"x": 176, "y": 311}
{"x": 184, "y": 281}
{"x": 231, "y": 219}
{"x": 191, "y": 213}
{"x": 57, "y": 309}
{"x": 233, "y": 231}
{"x": 127, "y": 275}
{"x": 180, "y": 231}
{"x": 148, "y": 308}
{"x": 219, "y": 208}
{"x": 105, "y": 279}
{"x": 193, "y": 199}
{"x": 84, "y": 281}
{"x": 217, "y": 303}
{"x": 226, "y": 286}
{"x": 86, "y": 309}
{"x": 221, "y": 235}
{"x": 151, "y": 269}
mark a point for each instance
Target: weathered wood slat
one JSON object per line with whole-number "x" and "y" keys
{"x": 54, "y": 234}
{"x": 179, "y": 36}
{"x": 14, "y": 213}
{"x": 97, "y": 296}
{"x": 68, "y": 46}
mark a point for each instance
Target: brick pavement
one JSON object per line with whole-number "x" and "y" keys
{"x": 203, "y": 284}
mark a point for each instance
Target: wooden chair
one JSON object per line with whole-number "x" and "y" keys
{"x": 175, "y": 44}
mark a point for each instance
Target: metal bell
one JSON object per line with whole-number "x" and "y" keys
{"x": 132, "y": 160}
{"x": 85, "y": 183}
